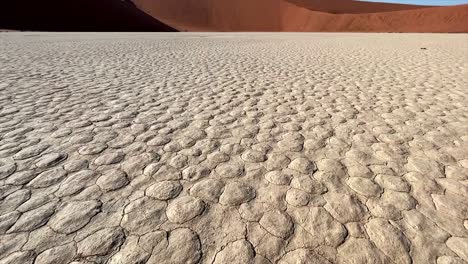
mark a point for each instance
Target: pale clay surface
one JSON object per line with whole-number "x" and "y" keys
{"x": 233, "y": 148}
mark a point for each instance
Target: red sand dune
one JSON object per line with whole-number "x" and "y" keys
{"x": 76, "y": 15}
{"x": 305, "y": 15}
{"x": 350, "y": 6}
{"x": 215, "y": 15}
{"x": 434, "y": 19}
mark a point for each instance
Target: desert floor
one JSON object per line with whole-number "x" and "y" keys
{"x": 233, "y": 148}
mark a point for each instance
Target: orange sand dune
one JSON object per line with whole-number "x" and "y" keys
{"x": 350, "y": 6}
{"x": 434, "y": 19}
{"x": 215, "y": 15}
{"x": 304, "y": 15}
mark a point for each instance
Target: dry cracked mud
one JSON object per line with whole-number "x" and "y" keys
{"x": 233, "y": 148}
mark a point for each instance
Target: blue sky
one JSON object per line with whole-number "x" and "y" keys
{"x": 423, "y": 2}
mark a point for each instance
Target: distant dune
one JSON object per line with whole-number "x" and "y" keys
{"x": 76, "y": 15}
{"x": 351, "y": 7}
{"x": 452, "y": 19}
{"x": 305, "y": 15}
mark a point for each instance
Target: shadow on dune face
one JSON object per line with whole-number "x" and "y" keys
{"x": 76, "y": 15}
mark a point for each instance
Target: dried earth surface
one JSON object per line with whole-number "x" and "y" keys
{"x": 233, "y": 148}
